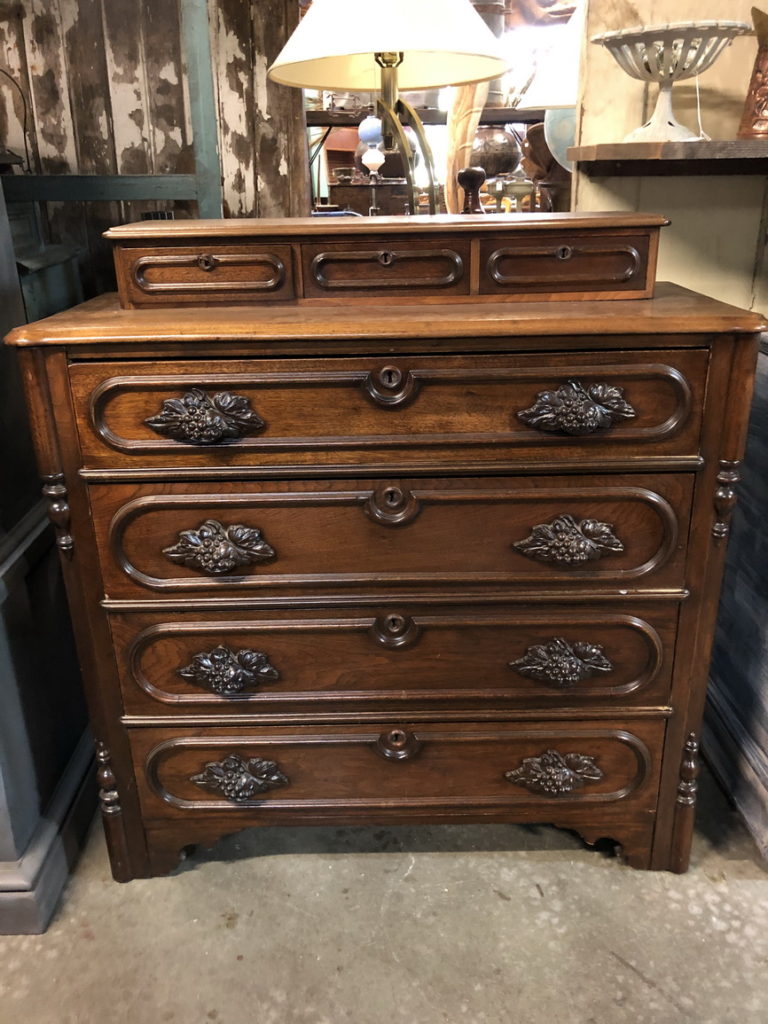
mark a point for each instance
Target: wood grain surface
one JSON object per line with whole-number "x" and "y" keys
{"x": 674, "y": 311}
{"x": 376, "y": 412}
{"x": 415, "y": 562}
{"x": 396, "y": 657}
{"x": 403, "y": 533}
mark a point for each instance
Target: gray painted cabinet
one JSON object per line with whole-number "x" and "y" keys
{"x": 46, "y": 790}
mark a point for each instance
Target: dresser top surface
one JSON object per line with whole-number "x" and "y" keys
{"x": 672, "y": 310}
{"x": 174, "y": 231}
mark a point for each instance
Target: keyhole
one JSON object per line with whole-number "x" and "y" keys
{"x": 395, "y": 623}
{"x": 390, "y": 377}
{"x": 206, "y": 262}
{"x": 564, "y": 252}
{"x": 393, "y": 497}
{"x": 397, "y": 738}
{"x": 386, "y": 258}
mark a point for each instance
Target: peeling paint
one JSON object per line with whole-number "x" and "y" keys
{"x": 169, "y": 73}
{"x": 108, "y": 94}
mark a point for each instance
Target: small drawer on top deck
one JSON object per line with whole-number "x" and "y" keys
{"x": 540, "y": 408}
{"x": 436, "y": 266}
{"x": 570, "y": 265}
{"x": 208, "y": 274}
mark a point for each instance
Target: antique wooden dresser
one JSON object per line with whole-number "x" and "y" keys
{"x": 418, "y": 520}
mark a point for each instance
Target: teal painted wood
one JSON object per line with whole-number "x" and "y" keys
{"x": 97, "y": 188}
{"x": 202, "y": 106}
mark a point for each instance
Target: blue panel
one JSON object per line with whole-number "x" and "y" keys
{"x": 202, "y": 103}
{"x": 96, "y": 188}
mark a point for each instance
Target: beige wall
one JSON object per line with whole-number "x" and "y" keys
{"x": 716, "y": 243}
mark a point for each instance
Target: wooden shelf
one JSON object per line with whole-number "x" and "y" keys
{"x": 738, "y": 156}
{"x": 491, "y": 115}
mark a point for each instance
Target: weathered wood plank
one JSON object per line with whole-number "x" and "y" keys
{"x": 127, "y": 87}
{"x": 48, "y": 73}
{"x": 280, "y": 133}
{"x": 88, "y": 77}
{"x": 13, "y": 61}
{"x": 163, "y": 72}
{"x": 232, "y": 48}
{"x": 92, "y": 116}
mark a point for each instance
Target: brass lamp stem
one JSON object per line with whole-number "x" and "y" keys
{"x": 389, "y": 63}
{"x": 391, "y": 107}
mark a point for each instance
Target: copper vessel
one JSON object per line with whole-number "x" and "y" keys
{"x": 754, "y": 120}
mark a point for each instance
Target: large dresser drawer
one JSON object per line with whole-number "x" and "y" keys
{"x": 601, "y": 406}
{"x": 324, "y": 535}
{"x": 207, "y": 274}
{"x": 547, "y": 768}
{"x": 310, "y": 663}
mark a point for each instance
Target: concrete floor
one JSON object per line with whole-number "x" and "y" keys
{"x": 420, "y": 925}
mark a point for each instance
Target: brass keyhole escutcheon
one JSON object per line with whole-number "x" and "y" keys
{"x": 393, "y": 497}
{"x": 386, "y": 258}
{"x": 395, "y": 631}
{"x": 396, "y": 624}
{"x": 206, "y": 262}
{"x": 390, "y": 386}
{"x": 564, "y": 252}
{"x": 398, "y": 744}
{"x": 390, "y": 377}
{"x": 390, "y": 505}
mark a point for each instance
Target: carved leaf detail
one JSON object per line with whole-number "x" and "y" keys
{"x": 555, "y": 773}
{"x": 215, "y": 549}
{"x": 560, "y": 663}
{"x": 227, "y": 672}
{"x": 568, "y": 542}
{"x": 577, "y": 409}
{"x": 200, "y": 418}
{"x": 240, "y": 780}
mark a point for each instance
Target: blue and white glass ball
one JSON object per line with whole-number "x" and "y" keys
{"x": 370, "y": 130}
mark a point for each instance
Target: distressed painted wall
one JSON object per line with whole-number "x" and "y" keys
{"x": 104, "y": 87}
{"x": 261, "y": 125}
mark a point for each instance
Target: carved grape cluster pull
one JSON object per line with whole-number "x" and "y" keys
{"x": 240, "y": 780}
{"x": 555, "y": 773}
{"x": 201, "y": 419}
{"x": 216, "y": 549}
{"x": 568, "y": 542}
{"x": 560, "y": 663}
{"x": 227, "y": 672}
{"x": 577, "y": 409}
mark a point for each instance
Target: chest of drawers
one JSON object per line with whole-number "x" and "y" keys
{"x": 405, "y": 562}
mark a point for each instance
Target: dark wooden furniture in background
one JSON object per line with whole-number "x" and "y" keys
{"x": 396, "y": 559}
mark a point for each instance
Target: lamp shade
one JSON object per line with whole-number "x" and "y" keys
{"x": 443, "y": 42}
